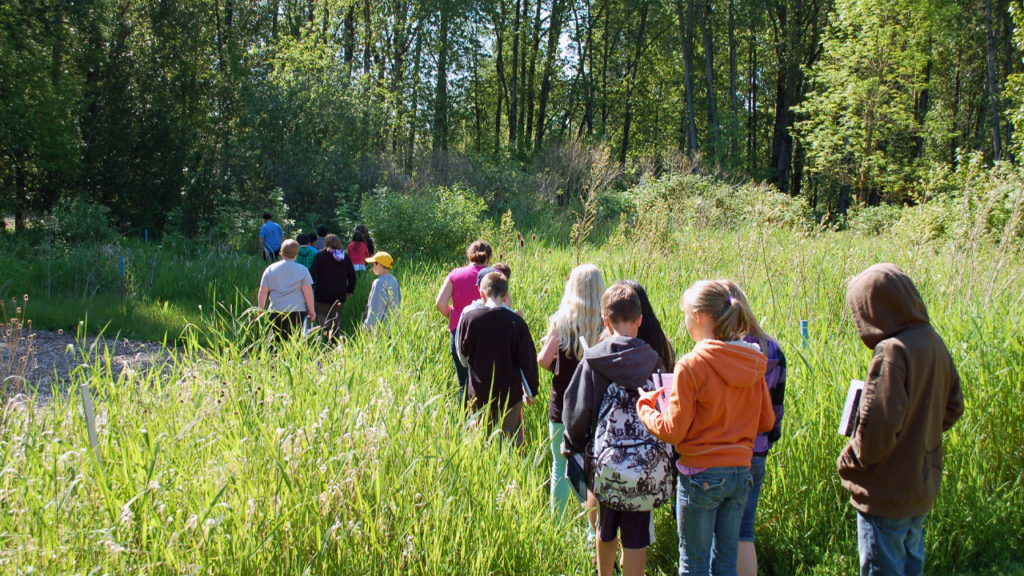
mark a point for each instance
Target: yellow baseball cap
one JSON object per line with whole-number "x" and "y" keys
{"x": 382, "y": 258}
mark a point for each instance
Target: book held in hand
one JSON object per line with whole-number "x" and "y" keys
{"x": 852, "y": 408}
{"x": 663, "y": 383}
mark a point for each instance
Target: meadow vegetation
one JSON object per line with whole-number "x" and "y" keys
{"x": 244, "y": 457}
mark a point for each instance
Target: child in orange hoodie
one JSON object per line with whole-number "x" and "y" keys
{"x": 718, "y": 404}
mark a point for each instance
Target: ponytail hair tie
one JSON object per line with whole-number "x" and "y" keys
{"x": 732, "y": 301}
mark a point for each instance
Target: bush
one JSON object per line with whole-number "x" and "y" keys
{"x": 704, "y": 202}
{"x": 437, "y": 223}
{"x": 874, "y": 220}
{"x": 77, "y": 221}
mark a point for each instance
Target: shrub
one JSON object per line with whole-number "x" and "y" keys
{"x": 874, "y": 220}
{"x": 436, "y": 223}
{"x": 77, "y": 221}
{"x": 704, "y": 202}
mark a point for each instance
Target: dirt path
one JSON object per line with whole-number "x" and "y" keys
{"x": 46, "y": 359}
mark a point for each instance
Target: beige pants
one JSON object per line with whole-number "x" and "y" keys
{"x": 329, "y": 316}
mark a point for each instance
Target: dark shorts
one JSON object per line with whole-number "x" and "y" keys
{"x": 635, "y": 529}
{"x": 757, "y": 468}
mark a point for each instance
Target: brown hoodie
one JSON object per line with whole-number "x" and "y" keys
{"x": 892, "y": 465}
{"x": 718, "y": 404}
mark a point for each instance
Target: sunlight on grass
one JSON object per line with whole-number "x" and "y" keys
{"x": 246, "y": 459}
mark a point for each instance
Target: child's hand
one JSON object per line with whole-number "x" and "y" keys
{"x": 530, "y": 400}
{"x": 644, "y": 395}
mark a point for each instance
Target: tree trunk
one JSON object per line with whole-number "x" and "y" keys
{"x": 554, "y": 32}
{"x": 521, "y": 116}
{"x": 993, "y": 90}
{"x": 441, "y": 94}
{"x": 400, "y": 47}
{"x": 418, "y": 58}
{"x": 588, "y": 113}
{"x": 368, "y": 36}
{"x": 734, "y": 107}
{"x": 633, "y": 67}
{"x": 276, "y": 7}
{"x": 499, "y": 67}
{"x": 58, "y": 41}
{"x": 21, "y": 205}
{"x": 714, "y": 129}
{"x": 513, "y": 101}
{"x": 688, "y": 127}
{"x": 606, "y": 48}
{"x": 350, "y": 36}
{"x": 921, "y": 109}
{"x": 531, "y": 81}
{"x": 752, "y": 119}
{"x": 476, "y": 102}
{"x": 1008, "y": 47}
{"x": 956, "y": 113}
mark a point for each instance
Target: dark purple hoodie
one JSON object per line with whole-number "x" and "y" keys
{"x": 775, "y": 377}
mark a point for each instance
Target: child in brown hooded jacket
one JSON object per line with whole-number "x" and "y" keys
{"x": 892, "y": 465}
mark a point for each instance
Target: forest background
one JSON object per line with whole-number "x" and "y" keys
{"x": 192, "y": 117}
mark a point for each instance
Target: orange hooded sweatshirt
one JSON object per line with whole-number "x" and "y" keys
{"x": 718, "y": 403}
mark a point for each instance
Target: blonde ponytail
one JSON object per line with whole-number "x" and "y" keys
{"x": 714, "y": 298}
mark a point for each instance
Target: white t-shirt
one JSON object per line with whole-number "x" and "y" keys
{"x": 285, "y": 280}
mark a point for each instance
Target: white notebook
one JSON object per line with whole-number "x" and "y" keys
{"x": 852, "y": 408}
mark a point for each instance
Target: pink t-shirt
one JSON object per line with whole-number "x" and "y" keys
{"x": 358, "y": 253}
{"x": 464, "y": 291}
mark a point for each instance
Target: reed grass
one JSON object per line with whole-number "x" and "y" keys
{"x": 247, "y": 457}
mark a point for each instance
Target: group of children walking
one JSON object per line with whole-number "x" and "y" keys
{"x": 317, "y": 274}
{"x": 627, "y": 419}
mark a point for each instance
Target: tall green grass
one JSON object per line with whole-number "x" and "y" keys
{"x": 250, "y": 458}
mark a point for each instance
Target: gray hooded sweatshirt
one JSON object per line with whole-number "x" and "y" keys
{"x": 629, "y": 362}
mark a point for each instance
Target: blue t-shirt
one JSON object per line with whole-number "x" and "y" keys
{"x": 272, "y": 236}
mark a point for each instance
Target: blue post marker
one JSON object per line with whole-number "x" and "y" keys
{"x": 147, "y": 235}
{"x": 122, "y": 267}
{"x": 804, "y": 335}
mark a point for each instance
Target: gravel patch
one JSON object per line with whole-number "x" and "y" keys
{"x": 51, "y": 357}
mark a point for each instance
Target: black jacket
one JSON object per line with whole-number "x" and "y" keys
{"x": 332, "y": 280}
{"x": 629, "y": 362}
{"x": 498, "y": 345}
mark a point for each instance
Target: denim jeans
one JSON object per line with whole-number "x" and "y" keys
{"x": 709, "y": 508}
{"x": 461, "y": 372}
{"x": 757, "y": 468}
{"x": 561, "y": 492}
{"x": 890, "y": 546}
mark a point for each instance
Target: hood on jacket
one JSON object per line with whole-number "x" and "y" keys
{"x": 738, "y": 366}
{"x": 628, "y": 362}
{"x": 884, "y": 302}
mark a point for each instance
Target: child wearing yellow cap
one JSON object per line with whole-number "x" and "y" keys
{"x": 385, "y": 295}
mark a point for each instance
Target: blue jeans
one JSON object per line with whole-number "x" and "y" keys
{"x": 757, "y": 468}
{"x": 890, "y": 546}
{"x": 461, "y": 372}
{"x": 561, "y": 492}
{"x": 709, "y": 508}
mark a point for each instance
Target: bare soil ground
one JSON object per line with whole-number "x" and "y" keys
{"x": 46, "y": 359}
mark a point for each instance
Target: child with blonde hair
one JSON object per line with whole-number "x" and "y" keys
{"x": 578, "y": 315}
{"x": 775, "y": 379}
{"x": 718, "y": 404}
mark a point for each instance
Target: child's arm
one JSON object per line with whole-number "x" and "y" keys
{"x": 374, "y": 305}
{"x": 462, "y": 343}
{"x": 883, "y": 409}
{"x": 673, "y": 425}
{"x": 577, "y": 410}
{"x": 778, "y": 397}
{"x": 526, "y": 357}
{"x": 350, "y": 276}
{"x": 955, "y": 402}
{"x": 766, "y": 419}
{"x": 549, "y": 353}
